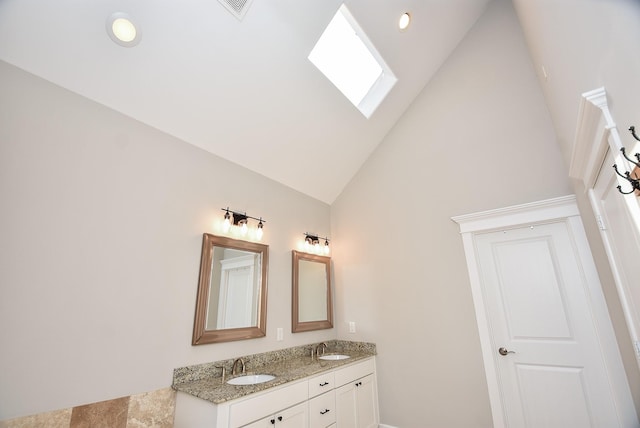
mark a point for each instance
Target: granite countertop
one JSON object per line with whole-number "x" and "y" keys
{"x": 286, "y": 365}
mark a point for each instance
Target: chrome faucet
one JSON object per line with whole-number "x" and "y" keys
{"x": 234, "y": 367}
{"x": 320, "y": 346}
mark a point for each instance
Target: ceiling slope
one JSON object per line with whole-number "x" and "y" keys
{"x": 243, "y": 90}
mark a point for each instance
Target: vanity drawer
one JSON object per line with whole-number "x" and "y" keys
{"x": 321, "y": 384}
{"x": 252, "y": 409}
{"x": 322, "y": 410}
{"x": 353, "y": 372}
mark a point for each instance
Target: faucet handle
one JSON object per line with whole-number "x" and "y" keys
{"x": 224, "y": 371}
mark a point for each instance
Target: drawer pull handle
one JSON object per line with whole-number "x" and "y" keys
{"x": 324, "y": 384}
{"x": 322, "y": 412}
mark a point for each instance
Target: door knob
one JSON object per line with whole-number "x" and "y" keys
{"x": 503, "y": 351}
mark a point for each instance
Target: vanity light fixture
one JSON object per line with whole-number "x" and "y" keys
{"x": 312, "y": 244}
{"x": 241, "y": 221}
{"x": 122, "y": 29}
{"x": 404, "y": 21}
{"x": 632, "y": 177}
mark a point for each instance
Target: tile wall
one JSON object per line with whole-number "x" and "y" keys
{"x": 151, "y": 409}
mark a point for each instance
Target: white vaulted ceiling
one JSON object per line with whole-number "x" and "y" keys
{"x": 243, "y": 90}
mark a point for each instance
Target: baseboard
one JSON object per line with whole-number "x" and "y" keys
{"x": 385, "y": 426}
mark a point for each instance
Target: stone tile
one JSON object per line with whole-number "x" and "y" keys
{"x": 56, "y": 419}
{"x": 104, "y": 414}
{"x": 152, "y": 409}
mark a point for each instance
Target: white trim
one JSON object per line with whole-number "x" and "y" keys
{"x": 608, "y": 248}
{"x": 549, "y": 209}
{"x": 563, "y": 208}
{"x": 596, "y": 131}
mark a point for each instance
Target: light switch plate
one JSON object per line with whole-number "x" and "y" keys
{"x": 352, "y": 327}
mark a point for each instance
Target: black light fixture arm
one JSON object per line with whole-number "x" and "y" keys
{"x": 314, "y": 238}
{"x": 237, "y": 215}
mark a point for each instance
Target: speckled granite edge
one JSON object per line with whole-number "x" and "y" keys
{"x": 256, "y": 361}
{"x": 205, "y": 380}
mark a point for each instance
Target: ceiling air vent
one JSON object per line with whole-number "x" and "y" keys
{"x": 237, "y": 7}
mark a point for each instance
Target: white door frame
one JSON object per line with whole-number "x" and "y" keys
{"x": 558, "y": 209}
{"x": 595, "y": 133}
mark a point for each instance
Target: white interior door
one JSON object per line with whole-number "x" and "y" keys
{"x": 549, "y": 349}
{"x": 553, "y": 374}
{"x": 237, "y": 293}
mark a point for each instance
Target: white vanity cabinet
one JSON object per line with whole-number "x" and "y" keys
{"x": 357, "y": 396}
{"x": 345, "y": 397}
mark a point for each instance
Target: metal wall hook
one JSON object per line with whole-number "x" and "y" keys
{"x": 634, "y": 181}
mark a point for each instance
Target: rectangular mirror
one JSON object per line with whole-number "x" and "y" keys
{"x": 232, "y": 291}
{"x": 311, "y": 293}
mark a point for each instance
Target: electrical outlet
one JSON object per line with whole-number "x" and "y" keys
{"x": 352, "y": 327}
{"x": 279, "y": 334}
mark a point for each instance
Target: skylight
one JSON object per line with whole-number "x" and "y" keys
{"x": 348, "y": 59}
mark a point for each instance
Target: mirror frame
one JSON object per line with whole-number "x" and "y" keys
{"x": 200, "y": 333}
{"x": 296, "y": 325}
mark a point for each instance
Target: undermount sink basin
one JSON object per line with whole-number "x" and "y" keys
{"x": 250, "y": 379}
{"x": 334, "y": 357}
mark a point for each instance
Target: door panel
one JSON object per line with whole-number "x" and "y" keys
{"x": 538, "y": 309}
{"x": 549, "y": 407}
{"x": 528, "y": 280}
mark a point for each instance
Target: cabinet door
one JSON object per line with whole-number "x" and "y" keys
{"x": 365, "y": 403}
{"x": 356, "y": 404}
{"x": 294, "y": 417}
{"x": 346, "y": 406}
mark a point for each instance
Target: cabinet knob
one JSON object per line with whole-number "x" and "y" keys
{"x": 280, "y": 418}
{"x": 273, "y": 421}
{"x": 358, "y": 383}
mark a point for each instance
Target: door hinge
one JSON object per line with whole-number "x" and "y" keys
{"x": 600, "y": 222}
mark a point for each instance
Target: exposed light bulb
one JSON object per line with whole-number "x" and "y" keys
{"x": 244, "y": 228}
{"x": 259, "y": 231}
{"x": 326, "y": 247}
{"x": 226, "y": 225}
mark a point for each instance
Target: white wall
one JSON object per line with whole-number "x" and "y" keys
{"x": 478, "y": 137}
{"x": 101, "y": 222}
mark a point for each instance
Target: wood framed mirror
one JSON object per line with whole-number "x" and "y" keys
{"x": 312, "y": 307}
{"x": 232, "y": 291}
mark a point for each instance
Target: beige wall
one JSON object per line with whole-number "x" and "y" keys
{"x": 585, "y": 45}
{"x": 478, "y": 137}
{"x": 101, "y": 222}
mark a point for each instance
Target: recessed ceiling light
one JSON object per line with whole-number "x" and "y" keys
{"x": 122, "y": 30}
{"x": 404, "y": 21}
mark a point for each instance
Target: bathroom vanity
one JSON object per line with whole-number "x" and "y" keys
{"x": 306, "y": 392}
